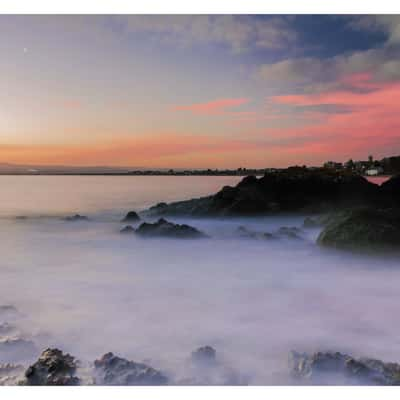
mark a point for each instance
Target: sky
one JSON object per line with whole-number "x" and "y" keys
{"x": 205, "y": 91}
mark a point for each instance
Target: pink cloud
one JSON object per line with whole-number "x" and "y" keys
{"x": 214, "y": 107}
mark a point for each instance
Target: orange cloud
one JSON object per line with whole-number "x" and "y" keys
{"x": 215, "y": 107}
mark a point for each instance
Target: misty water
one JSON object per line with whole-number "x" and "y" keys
{"x": 86, "y": 289}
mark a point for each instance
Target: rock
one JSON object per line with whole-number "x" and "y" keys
{"x": 364, "y": 229}
{"x": 291, "y": 232}
{"x": 127, "y": 230}
{"x": 113, "y": 370}
{"x": 294, "y": 189}
{"x": 52, "y": 368}
{"x": 76, "y": 217}
{"x": 204, "y": 355}
{"x": 16, "y": 349}
{"x": 132, "y": 216}
{"x": 163, "y": 228}
{"x": 337, "y": 368}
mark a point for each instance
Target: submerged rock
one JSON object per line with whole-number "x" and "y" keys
{"x": 76, "y": 217}
{"x": 113, "y": 370}
{"x": 337, "y": 368}
{"x": 127, "y": 230}
{"x": 165, "y": 228}
{"x": 204, "y": 355}
{"x": 363, "y": 229}
{"x": 52, "y": 368}
{"x": 132, "y": 216}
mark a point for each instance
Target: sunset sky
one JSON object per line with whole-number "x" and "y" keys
{"x": 198, "y": 91}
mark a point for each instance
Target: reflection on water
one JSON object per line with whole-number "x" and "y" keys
{"x": 378, "y": 180}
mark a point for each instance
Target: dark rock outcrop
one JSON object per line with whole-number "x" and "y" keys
{"x": 363, "y": 229}
{"x": 76, "y": 218}
{"x": 127, "y": 230}
{"x": 113, "y": 370}
{"x": 341, "y": 369}
{"x": 132, "y": 216}
{"x": 164, "y": 228}
{"x": 295, "y": 189}
{"x": 52, "y": 368}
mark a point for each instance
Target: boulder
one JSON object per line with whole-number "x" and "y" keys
{"x": 164, "y": 228}
{"x": 336, "y": 368}
{"x": 52, "y": 368}
{"x": 132, "y": 216}
{"x": 363, "y": 229}
{"x": 113, "y": 370}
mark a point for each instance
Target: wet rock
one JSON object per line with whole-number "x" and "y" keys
{"x": 113, "y": 370}
{"x": 14, "y": 349}
{"x": 52, "y": 368}
{"x": 364, "y": 229}
{"x": 164, "y": 228}
{"x": 76, "y": 218}
{"x": 132, "y": 216}
{"x": 204, "y": 355}
{"x": 10, "y": 374}
{"x": 337, "y": 368}
{"x": 127, "y": 230}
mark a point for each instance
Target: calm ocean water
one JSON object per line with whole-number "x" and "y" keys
{"x": 87, "y": 289}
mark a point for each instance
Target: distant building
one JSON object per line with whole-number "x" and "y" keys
{"x": 373, "y": 171}
{"x": 333, "y": 165}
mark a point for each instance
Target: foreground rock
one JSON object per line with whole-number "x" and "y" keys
{"x": 164, "y": 228}
{"x": 113, "y": 370}
{"x": 295, "y": 189}
{"x": 341, "y": 369}
{"x": 364, "y": 229}
{"x": 132, "y": 216}
{"x": 52, "y": 368}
